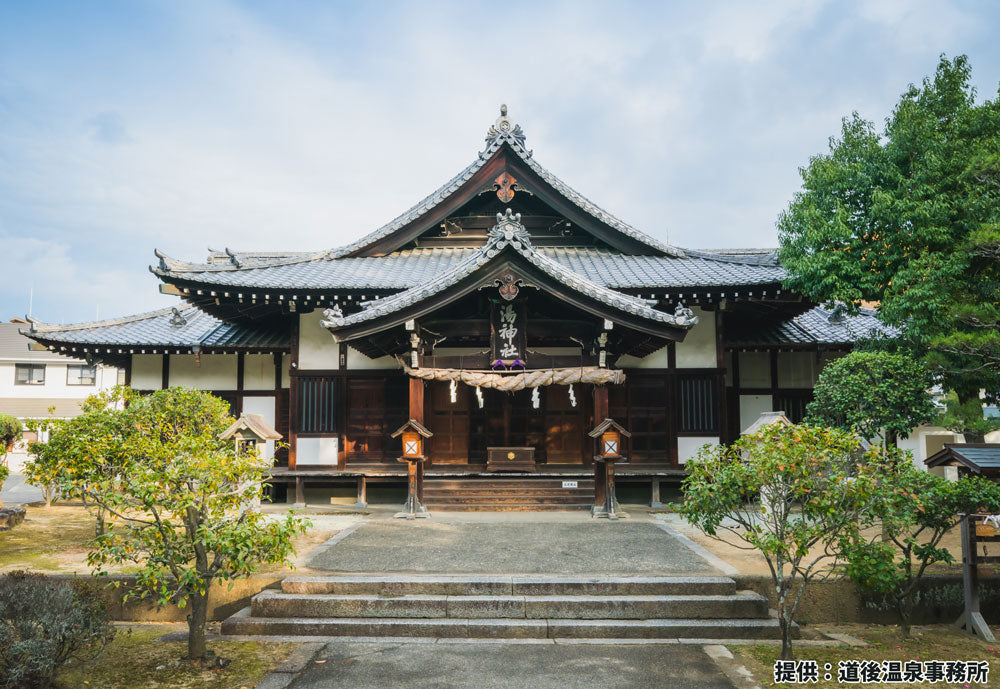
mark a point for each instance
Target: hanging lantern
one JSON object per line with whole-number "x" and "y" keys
{"x": 413, "y": 438}
{"x": 610, "y": 434}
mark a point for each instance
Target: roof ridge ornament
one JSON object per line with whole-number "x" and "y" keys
{"x": 508, "y": 230}
{"x": 505, "y": 130}
{"x": 176, "y": 319}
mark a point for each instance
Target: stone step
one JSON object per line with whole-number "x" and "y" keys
{"x": 506, "y": 492}
{"x": 497, "y": 507}
{"x": 242, "y": 623}
{"x": 511, "y": 483}
{"x": 745, "y": 604}
{"x": 508, "y": 585}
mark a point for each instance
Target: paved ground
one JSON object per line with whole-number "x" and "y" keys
{"x": 552, "y": 542}
{"x": 489, "y": 666}
{"x": 17, "y": 492}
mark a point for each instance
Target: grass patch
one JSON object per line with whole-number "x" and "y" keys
{"x": 50, "y": 539}
{"x": 938, "y": 642}
{"x": 131, "y": 660}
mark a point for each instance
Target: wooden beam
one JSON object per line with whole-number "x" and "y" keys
{"x": 293, "y": 400}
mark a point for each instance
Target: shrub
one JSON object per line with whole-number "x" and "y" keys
{"x": 46, "y": 624}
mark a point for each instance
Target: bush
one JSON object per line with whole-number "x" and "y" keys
{"x": 46, "y": 624}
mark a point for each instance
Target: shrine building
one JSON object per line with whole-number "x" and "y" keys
{"x": 508, "y": 316}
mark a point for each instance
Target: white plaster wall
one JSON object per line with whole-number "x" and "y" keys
{"x": 258, "y": 372}
{"x": 687, "y": 447}
{"x": 313, "y": 451}
{"x": 317, "y": 350}
{"x": 755, "y": 369}
{"x": 658, "y": 359}
{"x": 797, "y": 369}
{"x": 216, "y": 372}
{"x": 751, "y": 407}
{"x": 147, "y": 371}
{"x": 265, "y": 407}
{"x": 698, "y": 348}
{"x": 924, "y": 441}
{"x": 55, "y": 386}
{"x": 286, "y": 361}
{"x": 358, "y": 361}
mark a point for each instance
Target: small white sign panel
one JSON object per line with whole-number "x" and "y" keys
{"x": 570, "y": 484}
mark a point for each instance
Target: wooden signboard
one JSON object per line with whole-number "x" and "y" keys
{"x": 508, "y": 334}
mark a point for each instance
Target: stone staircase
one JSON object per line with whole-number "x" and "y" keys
{"x": 512, "y": 494}
{"x": 516, "y": 607}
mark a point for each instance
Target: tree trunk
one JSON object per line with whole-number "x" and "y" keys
{"x": 968, "y": 397}
{"x": 891, "y": 438}
{"x": 786, "y": 631}
{"x": 906, "y": 614}
{"x": 101, "y": 525}
{"x": 197, "y": 620}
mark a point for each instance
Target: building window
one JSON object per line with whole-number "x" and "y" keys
{"x": 29, "y": 374}
{"x": 697, "y": 404}
{"x": 81, "y": 374}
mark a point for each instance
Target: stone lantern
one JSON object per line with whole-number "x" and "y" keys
{"x": 413, "y": 433}
{"x": 609, "y": 452}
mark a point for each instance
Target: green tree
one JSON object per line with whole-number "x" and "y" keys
{"x": 873, "y": 392}
{"x": 182, "y": 503}
{"x": 10, "y": 433}
{"x": 793, "y": 493}
{"x": 908, "y": 217}
{"x": 917, "y": 510}
{"x": 89, "y": 449}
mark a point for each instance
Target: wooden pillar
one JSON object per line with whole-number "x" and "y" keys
{"x": 362, "y": 492}
{"x": 165, "y": 371}
{"x": 293, "y": 395}
{"x": 300, "y": 491}
{"x": 600, "y": 475}
{"x": 720, "y": 363}
{"x": 655, "y": 493}
{"x": 417, "y": 414}
{"x": 240, "y": 375}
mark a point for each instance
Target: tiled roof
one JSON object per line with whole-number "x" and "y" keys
{"x": 184, "y": 326}
{"x": 503, "y": 132}
{"x": 14, "y": 346}
{"x": 509, "y": 232}
{"x": 813, "y": 327}
{"x": 412, "y": 267}
{"x": 981, "y": 456}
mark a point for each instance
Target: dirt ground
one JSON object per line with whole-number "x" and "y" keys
{"x": 54, "y": 540}
{"x": 728, "y": 548}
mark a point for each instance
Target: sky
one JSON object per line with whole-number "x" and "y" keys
{"x": 188, "y": 125}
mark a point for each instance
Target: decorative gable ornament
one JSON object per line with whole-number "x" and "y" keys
{"x": 505, "y": 186}
{"x": 504, "y": 130}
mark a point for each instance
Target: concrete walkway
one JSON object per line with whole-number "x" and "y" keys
{"x": 362, "y": 665}
{"x": 17, "y": 492}
{"x": 504, "y": 542}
